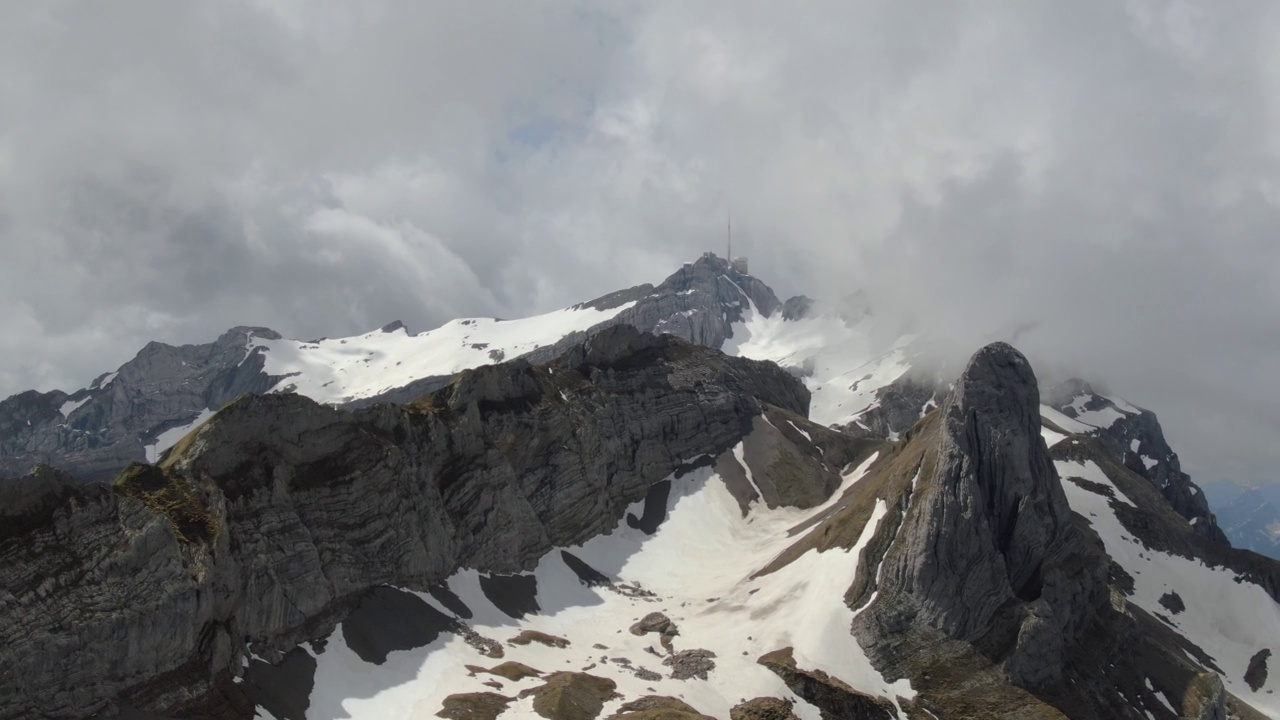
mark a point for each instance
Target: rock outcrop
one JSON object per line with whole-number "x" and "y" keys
{"x": 269, "y": 523}
{"x": 655, "y": 707}
{"x": 987, "y": 545}
{"x": 797, "y": 308}
{"x": 899, "y": 405}
{"x": 833, "y": 698}
{"x": 763, "y": 708}
{"x": 980, "y": 583}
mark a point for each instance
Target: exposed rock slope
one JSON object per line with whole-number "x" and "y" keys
{"x": 265, "y": 526}
{"x": 93, "y": 433}
{"x": 988, "y": 544}
{"x": 986, "y": 590}
{"x": 1134, "y": 437}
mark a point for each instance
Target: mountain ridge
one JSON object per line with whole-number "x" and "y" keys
{"x": 798, "y": 469}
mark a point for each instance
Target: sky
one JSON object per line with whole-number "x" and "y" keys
{"x": 1096, "y": 180}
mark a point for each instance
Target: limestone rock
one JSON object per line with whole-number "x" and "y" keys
{"x": 571, "y": 696}
{"x": 763, "y": 708}
{"x": 835, "y": 699}
{"x": 655, "y": 622}
{"x": 987, "y": 546}
{"x": 1137, "y": 441}
{"x": 268, "y": 525}
{"x": 655, "y": 707}
{"x": 111, "y": 421}
{"x": 474, "y": 706}
{"x": 689, "y": 664}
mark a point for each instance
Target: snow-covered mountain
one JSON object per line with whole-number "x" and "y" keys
{"x": 137, "y": 411}
{"x": 561, "y": 517}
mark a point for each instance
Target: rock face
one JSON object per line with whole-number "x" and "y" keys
{"x": 986, "y": 548}
{"x": 763, "y": 708}
{"x": 1135, "y": 438}
{"x": 655, "y": 707}
{"x": 268, "y": 524}
{"x": 108, "y": 424}
{"x": 835, "y": 699}
{"x": 797, "y": 308}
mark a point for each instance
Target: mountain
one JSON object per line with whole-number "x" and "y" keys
{"x": 1250, "y": 516}
{"x": 141, "y": 409}
{"x": 769, "y": 511}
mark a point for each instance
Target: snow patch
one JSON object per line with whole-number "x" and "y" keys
{"x": 71, "y": 406}
{"x": 1051, "y": 438}
{"x": 345, "y": 369}
{"x": 170, "y": 437}
{"x": 1089, "y": 470}
{"x": 1071, "y": 425}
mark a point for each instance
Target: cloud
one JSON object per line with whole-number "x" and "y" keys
{"x": 1100, "y": 175}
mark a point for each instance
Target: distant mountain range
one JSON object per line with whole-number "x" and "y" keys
{"x": 687, "y": 500}
{"x": 1250, "y": 516}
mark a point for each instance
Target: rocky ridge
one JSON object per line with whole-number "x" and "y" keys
{"x": 95, "y": 432}
{"x": 1135, "y": 438}
{"x": 264, "y": 527}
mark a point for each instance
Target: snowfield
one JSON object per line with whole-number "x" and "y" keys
{"x": 1226, "y": 616}
{"x": 698, "y": 566}
{"x": 344, "y": 369}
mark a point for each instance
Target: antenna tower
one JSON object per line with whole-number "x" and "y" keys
{"x": 729, "y": 237}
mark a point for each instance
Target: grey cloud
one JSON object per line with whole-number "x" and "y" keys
{"x": 1100, "y": 175}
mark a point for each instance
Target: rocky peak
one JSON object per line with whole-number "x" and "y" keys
{"x": 1135, "y": 438}
{"x": 986, "y": 544}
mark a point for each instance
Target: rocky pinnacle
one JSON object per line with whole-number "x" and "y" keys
{"x": 984, "y": 547}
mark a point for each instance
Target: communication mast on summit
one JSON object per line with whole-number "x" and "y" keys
{"x": 738, "y": 264}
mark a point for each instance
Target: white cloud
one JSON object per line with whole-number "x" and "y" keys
{"x": 1104, "y": 170}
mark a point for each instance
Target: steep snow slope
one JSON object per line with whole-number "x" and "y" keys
{"x": 344, "y": 369}
{"x": 696, "y": 568}
{"x": 1220, "y": 611}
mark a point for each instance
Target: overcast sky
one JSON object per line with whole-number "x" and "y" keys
{"x": 1103, "y": 173}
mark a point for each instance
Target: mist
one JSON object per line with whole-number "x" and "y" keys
{"x": 1094, "y": 181}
